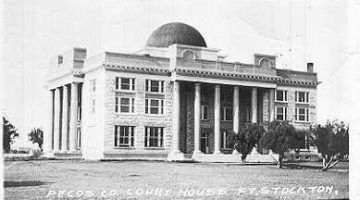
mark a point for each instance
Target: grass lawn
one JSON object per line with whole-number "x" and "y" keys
{"x": 164, "y": 180}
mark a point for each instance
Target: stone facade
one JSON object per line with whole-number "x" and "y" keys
{"x": 188, "y": 129}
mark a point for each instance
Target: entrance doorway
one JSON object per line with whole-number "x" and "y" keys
{"x": 205, "y": 147}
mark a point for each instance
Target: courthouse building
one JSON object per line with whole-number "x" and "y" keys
{"x": 176, "y": 99}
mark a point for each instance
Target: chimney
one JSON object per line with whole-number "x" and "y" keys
{"x": 310, "y": 67}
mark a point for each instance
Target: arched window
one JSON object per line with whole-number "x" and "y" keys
{"x": 189, "y": 55}
{"x": 265, "y": 62}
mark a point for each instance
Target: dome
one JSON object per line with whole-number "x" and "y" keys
{"x": 175, "y": 33}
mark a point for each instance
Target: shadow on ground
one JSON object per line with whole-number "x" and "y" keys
{"x": 23, "y": 183}
{"x": 301, "y": 166}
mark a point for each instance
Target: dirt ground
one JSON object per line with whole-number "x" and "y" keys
{"x": 165, "y": 180}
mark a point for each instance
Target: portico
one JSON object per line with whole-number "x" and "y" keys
{"x": 65, "y": 121}
{"x": 208, "y": 108}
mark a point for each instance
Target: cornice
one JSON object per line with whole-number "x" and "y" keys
{"x": 211, "y": 74}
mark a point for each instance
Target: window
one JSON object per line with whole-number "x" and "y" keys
{"x": 126, "y": 104}
{"x": 302, "y": 97}
{"x": 154, "y": 106}
{"x": 125, "y": 84}
{"x": 154, "y": 86}
{"x": 302, "y": 114}
{"x": 93, "y": 105}
{"x": 189, "y": 56}
{"x": 60, "y": 59}
{"x": 281, "y": 95}
{"x": 226, "y": 113}
{"x": 204, "y": 112}
{"x": 93, "y": 85}
{"x": 281, "y": 113}
{"x": 124, "y": 136}
{"x": 154, "y": 136}
{"x": 225, "y": 144}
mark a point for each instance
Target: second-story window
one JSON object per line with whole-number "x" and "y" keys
{"x": 226, "y": 113}
{"x": 281, "y": 95}
{"x": 204, "y": 112}
{"x": 122, "y": 83}
{"x": 155, "y": 86}
{"x": 124, "y": 104}
{"x": 154, "y": 106}
{"x": 302, "y": 97}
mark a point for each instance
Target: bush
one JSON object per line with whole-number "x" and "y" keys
{"x": 37, "y": 136}
{"x": 280, "y": 138}
{"x": 332, "y": 141}
{"x": 248, "y": 138}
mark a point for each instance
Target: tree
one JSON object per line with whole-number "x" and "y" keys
{"x": 37, "y": 136}
{"x": 9, "y": 134}
{"x": 248, "y": 137}
{"x": 280, "y": 137}
{"x": 332, "y": 141}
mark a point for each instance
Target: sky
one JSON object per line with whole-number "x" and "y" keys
{"x": 296, "y": 32}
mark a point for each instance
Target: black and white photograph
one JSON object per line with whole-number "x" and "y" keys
{"x": 167, "y": 99}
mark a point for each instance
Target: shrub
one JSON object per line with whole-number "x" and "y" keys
{"x": 36, "y": 136}
{"x": 248, "y": 137}
{"x": 280, "y": 138}
{"x": 332, "y": 141}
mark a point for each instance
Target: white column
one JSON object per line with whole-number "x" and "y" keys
{"x": 64, "y": 130}
{"x": 271, "y": 104}
{"x": 254, "y": 105}
{"x": 176, "y": 118}
{"x": 57, "y": 120}
{"x": 197, "y": 116}
{"x": 48, "y": 136}
{"x": 217, "y": 120}
{"x": 73, "y": 116}
{"x": 236, "y": 110}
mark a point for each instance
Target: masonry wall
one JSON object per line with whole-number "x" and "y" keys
{"x": 291, "y": 105}
{"x": 138, "y": 119}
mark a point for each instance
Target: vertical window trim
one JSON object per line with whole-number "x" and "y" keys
{"x": 121, "y": 134}
{"x": 148, "y": 106}
{"x": 224, "y": 110}
{"x": 118, "y": 104}
{"x": 306, "y": 97}
{"x": 154, "y": 133}
{"x": 118, "y": 84}
{"x": 306, "y": 115}
{"x": 284, "y": 112}
{"x": 149, "y": 86}
{"x": 203, "y": 113}
{"x": 284, "y": 94}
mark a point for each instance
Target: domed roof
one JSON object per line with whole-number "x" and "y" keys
{"x": 175, "y": 33}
